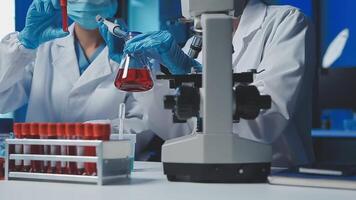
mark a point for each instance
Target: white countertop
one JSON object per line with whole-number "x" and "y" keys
{"x": 148, "y": 182}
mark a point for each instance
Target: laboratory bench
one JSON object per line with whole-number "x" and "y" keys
{"x": 148, "y": 182}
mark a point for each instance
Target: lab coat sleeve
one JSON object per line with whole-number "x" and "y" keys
{"x": 135, "y": 118}
{"x": 134, "y": 121}
{"x": 16, "y": 67}
{"x": 159, "y": 120}
{"x": 285, "y": 62}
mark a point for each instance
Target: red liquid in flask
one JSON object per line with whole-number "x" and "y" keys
{"x": 136, "y": 80}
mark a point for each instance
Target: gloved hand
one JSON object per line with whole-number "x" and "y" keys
{"x": 161, "y": 46}
{"x": 115, "y": 44}
{"x": 43, "y": 23}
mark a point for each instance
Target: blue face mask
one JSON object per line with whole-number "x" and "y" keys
{"x": 83, "y": 13}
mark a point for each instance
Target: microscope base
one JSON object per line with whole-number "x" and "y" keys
{"x": 217, "y": 173}
{"x": 216, "y": 158}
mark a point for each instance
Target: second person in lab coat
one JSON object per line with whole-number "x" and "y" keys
{"x": 278, "y": 42}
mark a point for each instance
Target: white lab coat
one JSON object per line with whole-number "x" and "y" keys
{"x": 278, "y": 40}
{"x": 48, "y": 80}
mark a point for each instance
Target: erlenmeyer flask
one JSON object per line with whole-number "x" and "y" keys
{"x": 134, "y": 74}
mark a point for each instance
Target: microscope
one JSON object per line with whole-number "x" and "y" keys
{"x": 217, "y": 98}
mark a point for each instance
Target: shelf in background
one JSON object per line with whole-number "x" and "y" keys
{"x": 333, "y": 134}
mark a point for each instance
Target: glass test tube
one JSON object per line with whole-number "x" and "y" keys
{"x": 89, "y": 151}
{"x": 43, "y": 130}
{"x": 101, "y": 132}
{"x": 18, "y": 148}
{"x": 53, "y": 150}
{"x": 79, "y": 133}
{"x": 61, "y": 134}
{"x": 71, "y": 150}
{"x": 35, "y": 149}
{"x": 26, "y": 148}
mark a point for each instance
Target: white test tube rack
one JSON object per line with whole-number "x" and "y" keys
{"x": 112, "y": 160}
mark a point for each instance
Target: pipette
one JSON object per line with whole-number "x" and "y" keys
{"x": 122, "y": 119}
{"x": 113, "y": 28}
{"x": 63, "y": 4}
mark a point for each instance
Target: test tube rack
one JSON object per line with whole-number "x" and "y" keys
{"x": 112, "y": 160}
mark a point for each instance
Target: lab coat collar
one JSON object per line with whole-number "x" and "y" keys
{"x": 64, "y": 57}
{"x": 252, "y": 18}
{"x": 66, "y": 41}
{"x": 98, "y": 69}
{"x": 67, "y": 62}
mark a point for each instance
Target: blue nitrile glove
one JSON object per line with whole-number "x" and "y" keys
{"x": 115, "y": 44}
{"x": 43, "y": 23}
{"x": 161, "y": 46}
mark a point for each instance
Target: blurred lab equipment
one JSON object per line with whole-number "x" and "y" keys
{"x": 335, "y": 49}
{"x": 217, "y": 102}
{"x": 333, "y": 119}
{"x": 134, "y": 74}
{"x": 6, "y": 129}
{"x": 63, "y": 4}
{"x": 350, "y": 124}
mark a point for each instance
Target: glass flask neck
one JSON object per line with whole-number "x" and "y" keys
{"x": 134, "y": 62}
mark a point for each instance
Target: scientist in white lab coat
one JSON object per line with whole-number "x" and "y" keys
{"x": 278, "y": 42}
{"x": 65, "y": 77}
{"x": 44, "y": 71}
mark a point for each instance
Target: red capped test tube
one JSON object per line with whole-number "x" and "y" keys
{"x": 61, "y": 134}
{"x": 89, "y": 151}
{"x": 71, "y": 150}
{"x": 43, "y": 129}
{"x": 26, "y": 148}
{"x": 101, "y": 132}
{"x": 35, "y": 149}
{"x": 18, "y": 148}
{"x": 53, "y": 150}
{"x": 63, "y": 4}
{"x": 79, "y": 133}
